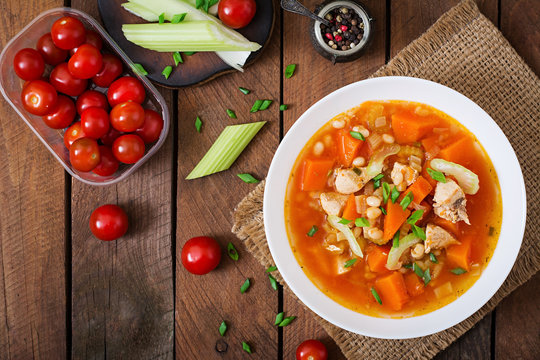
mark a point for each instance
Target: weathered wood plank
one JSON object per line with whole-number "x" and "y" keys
{"x": 32, "y": 238}
{"x": 122, "y": 291}
{"x": 205, "y": 206}
{"x": 468, "y": 346}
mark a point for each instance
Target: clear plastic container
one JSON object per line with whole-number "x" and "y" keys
{"x": 11, "y": 87}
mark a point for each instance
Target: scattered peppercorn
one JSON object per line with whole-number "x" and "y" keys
{"x": 347, "y": 29}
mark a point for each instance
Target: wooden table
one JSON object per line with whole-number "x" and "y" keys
{"x": 64, "y": 292}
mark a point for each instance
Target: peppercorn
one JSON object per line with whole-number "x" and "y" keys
{"x": 346, "y": 30}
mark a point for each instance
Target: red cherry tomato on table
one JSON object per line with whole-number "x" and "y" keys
{"x": 236, "y": 13}
{"x": 73, "y": 133}
{"x": 108, "y": 222}
{"x": 112, "y": 68}
{"x": 126, "y": 88}
{"x": 84, "y": 154}
{"x": 28, "y": 64}
{"x": 113, "y": 134}
{"x": 108, "y": 164}
{"x": 39, "y": 97}
{"x": 127, "y": 116}
{"x": 91, "y": 98}
{"x": 62, "y": 114}
{"x": 86, "y": 62}
{"x": 68, "y": 32}
{"x": 153, "y": 124}
{"x": 128, "y": 148}
{"x": 52, "y": 54}
{"x": 95, "y": 122}
{"x": 66, "y": 83}
{"x": 92, "y": 38}
{"x": 200, "y": 255}
{"x": 311, "y": 350}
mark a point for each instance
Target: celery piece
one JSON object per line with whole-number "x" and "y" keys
{"x": 466, "y": 178}
{"x": 226, "y": 149}
{"x": 347, "y": 232}
{"x": 141, "y": 11}
{"x": 393, "y": 263}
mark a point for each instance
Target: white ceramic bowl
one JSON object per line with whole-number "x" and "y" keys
{"x": 473, "y": 118}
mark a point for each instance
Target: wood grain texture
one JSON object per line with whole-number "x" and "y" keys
{"x": 32, "y": 238}
{"x": 122, "y": 291}
{"x": 474, "y": 345}
{"x": 205, "y": 208}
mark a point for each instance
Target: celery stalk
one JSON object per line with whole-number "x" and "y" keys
{"x": 141, "y": 11}
{"x": 226, "y": 149}
{"x": 212, "y": 10}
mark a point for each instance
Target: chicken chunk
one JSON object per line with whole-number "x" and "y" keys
{"x": 349, "y": 181}
{"x": 333, "y": 203}
{"x": 450, "y": 202}
{"x": 437, "y": 238}
{"x": 403, "y": 173}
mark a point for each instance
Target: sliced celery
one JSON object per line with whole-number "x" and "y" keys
{"x": 211, "y": 10}
{"x": 226, "y": 149}
{"x": 142, "y": 11}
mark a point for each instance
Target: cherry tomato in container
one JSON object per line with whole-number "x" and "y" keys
{"x": 126, "y": 88}
{"x": 153, "y": 124}
{"x": 51, "y": 53}
{"x": 28, "y": 64}
{"x": 68, "y": 32}
{"x": 127, "y": 116}
{"x": 39, "y": 97}
{"x": 86, "y": 62}
{"x": 108, "y": 164}
{"x": 109, "y": 222}
{"x": 311, "y": 350}
{"x": 91, "y": 98}
{"x": 62, "y": 114}
{"x": 95, "y": 122}
{"x": 236, "y": 13}
{"x": 113, "y": 134}
{"x": 64, "y": 82}
{"x": 73, "y": 133}
{"x": 92, "y": 38}
{"x": 128, "y": 148}
{"x": 200, "y": 255}
{"x": 84, "y": 154}
{"x": 112, "y": 68}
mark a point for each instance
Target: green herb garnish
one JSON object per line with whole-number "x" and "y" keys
{"x": 167, "y": 71}
{"x": 283, "y": 107}
{"x": 350, "y": 262}
{"x": 244, "y": 90}
{"x": 198, "y": 124}
{"x": 419, "y": 232}
{"x": 231, "y": 114}
{"x": 245, "y": 286}
{"x": 177, "y": 18}
{"x": 246, "y": 347}
{"x": 177, "y": 58}
{"x": 273, "y": 281}
{"x": 362, "y": 222}
{"x": 265, "y": 104}
{"x": 427, "y": 277}
{"x": 394, "y": 195}
{"x": 383, "y": 210}
{"x": 357, "y": 135}
{"x": 433, "y": 258}
{"x": 287, "y": 321}
{"x": 407, "y": 266}
{"x": 231, "y": 251}
{"x": 395, "y": 240}
{"x": 376, "y": 295}
{"x": 256, "y": 106}
{"x": 139, "y": 69}
{"x": 385, "y": 192}
{"x": 377, "y": 181}
{"x": 344, "y": 221}
{"x": 406, "y": 201}
{"x": 161, "y": 18}
{"x": 271, "y": 268}
{"x": 279, "y": 318}
{"x": 189, "y": 53}
{"x": 312, "y": 231}
{"x": 222, "y": 328}
{"x": 417, "y": 270}
{"x": 357, "y": 171}
{"x": 289, "y": 70}
{"x": 436, "y": 175}
{"x": 248, "y": 178}
{"x": 415, "y": 217}
{"x": 458, "y": 271}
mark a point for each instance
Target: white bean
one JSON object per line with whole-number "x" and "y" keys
{"x": 373, "y": 212}
{"x": 387, "y": 138}
{"x": 318, "y": 148}
{"x": 375, "y": 233}
{"x": 338, "y": 124}
{"x": 359, "y": 161}
{"x": 373, "y": 201}
{"x": 397, "y": 178}
{"x": 418, "y": 251}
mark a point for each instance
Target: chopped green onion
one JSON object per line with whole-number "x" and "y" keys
{"x": 246, "y": 347}
{"x": 161, "y": 18}
{"x": 329, "y": 172}
{"x": 189, "y": 53}
{"x": 357, "y": 135}
{"x": 395, "y": 240}
{"x": 265, "y": 104}
{"x": 383, "y": 210}
{"x": 279, "y": 318}
{"x": 458, "y": 271}
{"x": 256, "y": 106}
{"x": 139, "y": 69}
{"x": 245, "y": 286}
{"x": 248, "y": 178}
{"x": 361, "y": 222}
{"x": 433, "y": 258}
{"x": 289, "y": 70}
{"x": 178, "y": 18}
{"x": 350, "y": 262}
{"x": 287, "y": 321}
{"x": 407, "y": 266}
{"x": 415, "y": 217}
{"x": 385, "y": 192}
{"x": 244, "y": 90}
{"x": 357, "y": 171}
{"x": 231, "y": 114}
{"x": 228, "y": 146}
{"x": 394, "y": 195}
{"x": 377, "y": 181}
{"x": 312, "y": 231}
{"x": 167, "y": 71}
{"x": 427, "y": 277}
{"x": 376, "y": 295}
{"x": 177, "y": 58}
{"x": 344, "y": 221}
{"x": 271, "y": 268}
{"x": 417, "y": 270}
{"x": 231, "y": 251}
{"x": 222, "y": 328}
{"x": 419, "y": 232}
{"x": 198, "y": 124}
{"x": 436, "y": 175}
{"x": 273, "y": 281}
{"x": 283, "y": 107}
{"x": 406, "y": 201}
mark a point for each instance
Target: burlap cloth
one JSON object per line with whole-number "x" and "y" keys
{"x": 465, "y": 51}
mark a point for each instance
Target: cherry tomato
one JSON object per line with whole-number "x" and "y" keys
{"x": 113, "y": 134}
{"x": 108, "y": 164}
{"x": 92, "y": 38}
{"x": 112, "y": 68}
{"x": 28, "y": 64}
{"x": 311, "y": 350}
{"x": 66, "y": 83}
{"x": 52, "y": 54}
{"x": 91, "y": 98}
{"x": 86, "y": 62}
{"x": 68, "y": 32}
{"x": 95, "y": 122}
{"x": 39, "y": 97}
{"x": 200, "y": 255}
{"x": 73, "y": 133}
{"x": 236, "y": 13}
{"x": 153, "y": 124}
{"x": 108, "y": 222}
{"x": 84, "y": 154}
{"x": 127, "y": 116}
{"x": 125, "y": 89}
{"x": 62, "y": 113}
{"x": 128, "y": 148}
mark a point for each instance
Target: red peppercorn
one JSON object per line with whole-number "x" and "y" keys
{"x": 328, "y": 36}
{"x": 338, "y": 38}
{"x": 344, "y": 28}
